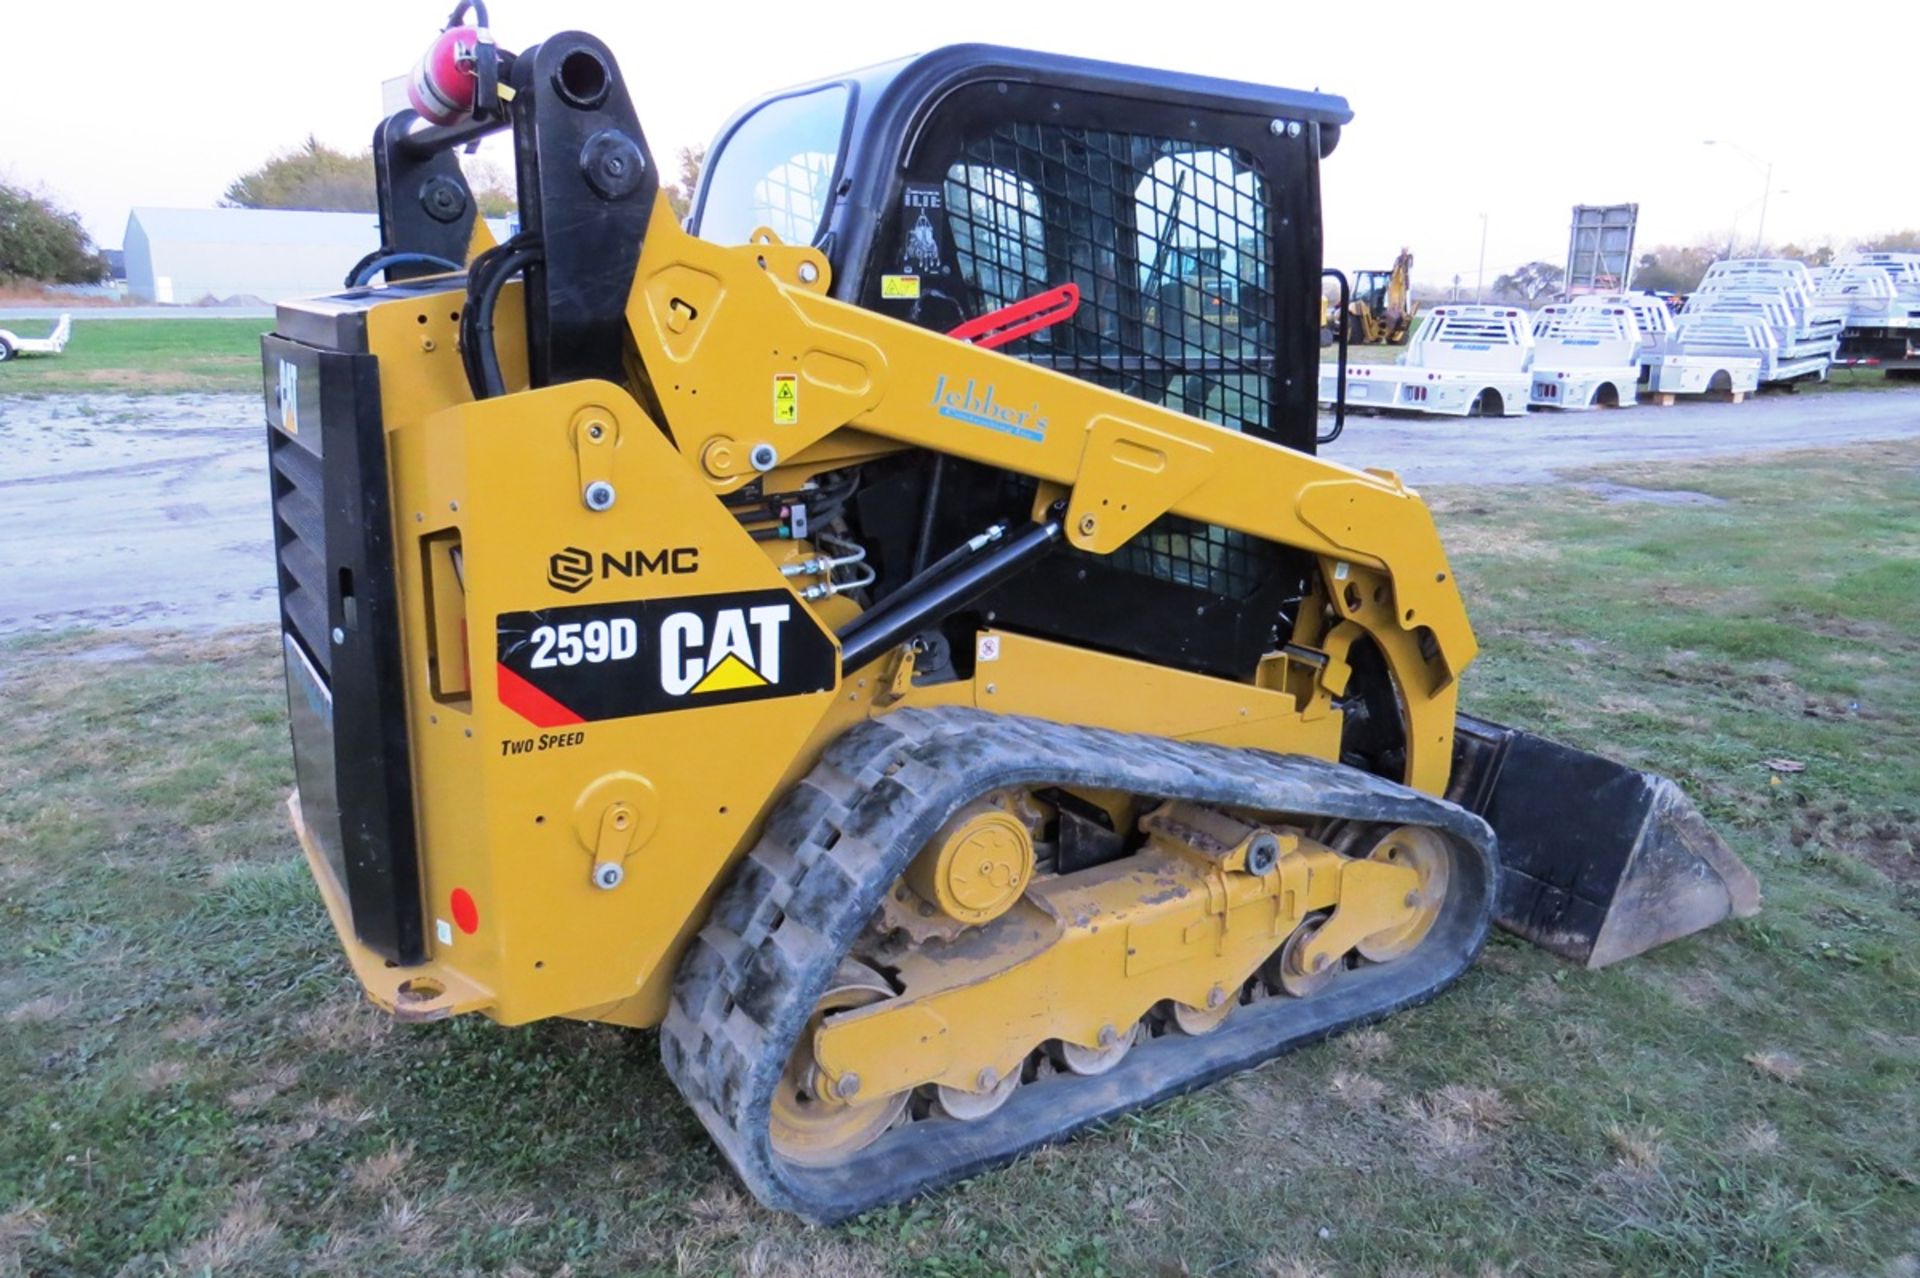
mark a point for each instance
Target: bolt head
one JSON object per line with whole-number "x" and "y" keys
{"x": 1087, "y": 525}
{"x": 988, "y": 1080}
{"x": 1216, "y": 996}
{"x": 1276, "y": 127}
{"x": 1321, "y": 962}
{"x": 763, "y": 457}
{"x": 809, "y": 272}
{"x": 595, "y": 430}
{"x": 1108, "y": 1036}
{"x": 607, "y": 877}
{"x": 339, "y": 635}
{"x": 598, "y": 495}
{"x": 848, "y": 1087}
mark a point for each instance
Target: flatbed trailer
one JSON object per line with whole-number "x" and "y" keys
{"x": 12, "y": 345}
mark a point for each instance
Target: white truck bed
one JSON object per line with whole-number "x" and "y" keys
{"x": 1652, "y": 317}
{"x": 52, "y": 344}
{"x": 1879, "y": 295}
{"x": 1783, "y": 293}
{"x": 1710, "y": 352}
{"x": 1462, "y": 361}
{"x": 1585, "y": 357}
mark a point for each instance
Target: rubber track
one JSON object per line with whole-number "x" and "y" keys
{"x": 841, "y": 838}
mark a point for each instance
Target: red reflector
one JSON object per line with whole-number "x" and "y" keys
{"x": 465, "y": 913}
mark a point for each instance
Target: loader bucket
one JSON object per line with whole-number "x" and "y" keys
{"x": 1599, "y": 861}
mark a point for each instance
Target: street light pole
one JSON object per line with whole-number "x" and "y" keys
{"x": 1760, "y": 235}
{"x": 1480, "y": 276}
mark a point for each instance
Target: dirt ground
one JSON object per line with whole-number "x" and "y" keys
{"x": 151, "y": 510}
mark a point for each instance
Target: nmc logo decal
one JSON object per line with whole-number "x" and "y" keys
{"x": 558, "y": 666}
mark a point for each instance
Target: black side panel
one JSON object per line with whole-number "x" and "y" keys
{"x": 339, "y": 611}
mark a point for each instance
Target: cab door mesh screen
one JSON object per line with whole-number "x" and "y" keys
{"x": 1171, "y": 250}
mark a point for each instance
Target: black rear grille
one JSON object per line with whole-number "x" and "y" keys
{"x": 301, "y": 538}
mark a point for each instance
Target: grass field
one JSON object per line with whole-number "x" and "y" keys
{"x": 192, "y": 1084}
{"x": 166, "y": 356}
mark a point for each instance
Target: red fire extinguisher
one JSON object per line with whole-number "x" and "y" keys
{"x": 456, "y": 77}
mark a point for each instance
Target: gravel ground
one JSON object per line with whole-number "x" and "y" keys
{"x": 151, "y": 510}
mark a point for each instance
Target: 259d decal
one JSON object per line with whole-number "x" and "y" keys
{"x": 560, "y": 666}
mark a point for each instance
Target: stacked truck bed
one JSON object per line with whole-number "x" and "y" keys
{"x": 1878, "y": 296}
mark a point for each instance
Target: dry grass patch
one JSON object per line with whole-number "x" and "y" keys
{"x": 1274, "y": 1265}
{"x": 160, "y": 1075}
{"x": 1637, "y": 1149}
{"x": 377, "y": 1173}
{"x": 1758, "y": 1139}
{"x": 245, "y": 1231}
{"x": 1356, "y": 1090}
{"x": 1366, "y": 1045}
{"x": 271, "y": 1084}
{"x": 1780, "y": 1065}
{"x": 1457, "y": 1123}
{"x": 40, "y": 1011}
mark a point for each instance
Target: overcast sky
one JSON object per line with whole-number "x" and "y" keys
{"x": 1518, "y": 111}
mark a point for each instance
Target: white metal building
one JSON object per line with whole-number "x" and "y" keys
{"x": 187, "y": 256}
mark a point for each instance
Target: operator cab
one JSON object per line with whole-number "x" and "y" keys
{"x": 951, "y": 185}
{"x": 948, "y": 187}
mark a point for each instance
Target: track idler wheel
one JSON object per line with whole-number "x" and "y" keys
{"x": 816, "y": 1130}
{"x": 1425, "y": 852}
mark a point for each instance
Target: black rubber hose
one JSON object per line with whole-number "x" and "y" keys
{"x": 483, "y": 294}
{"x": 376, "y": 262}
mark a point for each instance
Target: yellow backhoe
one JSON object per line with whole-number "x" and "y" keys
{"x": 1381, "y": 310}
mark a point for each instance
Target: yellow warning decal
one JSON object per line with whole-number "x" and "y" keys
{"x": 900, "y": 287}
{"x": 786, "y": 398}
{"x": 730, "y": 674}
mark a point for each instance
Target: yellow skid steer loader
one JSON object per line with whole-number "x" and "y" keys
{"x": 896, "y": 637}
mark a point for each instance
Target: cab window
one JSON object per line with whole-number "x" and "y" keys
{"x": 776, "y": 170}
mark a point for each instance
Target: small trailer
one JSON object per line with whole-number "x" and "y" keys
{"x": 52, "y": 344}
{"x": 1585, "y": 357}
{"x": 1879, "y": 295}
{"x": 1462, "y": 361}
{"x": 1711, "y": 353}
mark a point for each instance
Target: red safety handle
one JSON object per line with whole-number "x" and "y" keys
{"x": 1028, "y": 315}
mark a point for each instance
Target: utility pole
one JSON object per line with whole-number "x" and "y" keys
{"x": 1480, "y": 276}
{"x": 1760, "y": 235}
